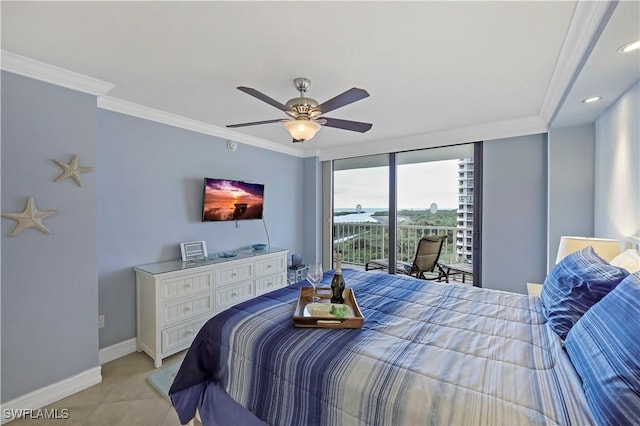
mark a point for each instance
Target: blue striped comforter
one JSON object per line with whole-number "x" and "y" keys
{"x": 428, "y": 353}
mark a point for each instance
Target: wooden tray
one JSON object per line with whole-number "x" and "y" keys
{"x": 303, "y": 318}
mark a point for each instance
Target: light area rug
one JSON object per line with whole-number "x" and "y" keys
{"x": 163, "y": 379}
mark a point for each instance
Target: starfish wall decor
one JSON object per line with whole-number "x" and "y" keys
{"x": 31, "y": 217}
{"x": 72, "y": 170}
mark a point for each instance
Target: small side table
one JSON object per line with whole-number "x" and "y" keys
{"x": 534, "y": 289}
{"x": 457, "y": 268}
{"x": 297, "y": 274}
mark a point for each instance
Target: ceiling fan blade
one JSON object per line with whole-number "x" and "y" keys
{"x": 254, "y": 123}
{"x": 356, "y": 126}
{"x": 352, "y": 95}
{"x": 263, "y": 97}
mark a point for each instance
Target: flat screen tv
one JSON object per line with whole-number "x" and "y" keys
{"x": 226, "y": 199}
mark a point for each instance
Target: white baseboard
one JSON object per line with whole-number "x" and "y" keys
{"x": 57, "y": 391}
{"x": 117, "y": 351}
{"x": 52, "y": 393}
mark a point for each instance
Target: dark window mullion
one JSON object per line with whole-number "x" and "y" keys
{"x": 393, "y": 212}
{"x": 477, "y": 214}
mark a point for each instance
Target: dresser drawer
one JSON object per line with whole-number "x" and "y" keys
{"x": 174, "y": 299}
{"x": 230, "y": 295}
{"x": 180, "y": 310}
{"x": 267, "y": 284}
{"x": 234, "y": 274}
{"x": 185, "y": 285}
{"x": 180, "y": 336}
{"x": 270, "y": 266}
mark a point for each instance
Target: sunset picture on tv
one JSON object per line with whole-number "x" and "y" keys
{"x": 231, "y": 200}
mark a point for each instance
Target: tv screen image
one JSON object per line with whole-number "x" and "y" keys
{"x": 225, "y": 199}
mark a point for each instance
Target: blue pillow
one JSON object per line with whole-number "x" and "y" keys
{"x": 604, "y": 347}
{"x": 575, "y": 284}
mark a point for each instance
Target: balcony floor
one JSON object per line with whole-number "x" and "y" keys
{"x": 454, "y": 278}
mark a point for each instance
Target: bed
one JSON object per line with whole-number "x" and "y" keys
{"x": 428, "y": 353}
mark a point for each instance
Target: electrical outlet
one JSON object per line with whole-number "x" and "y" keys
{"x": 100, "y": 321}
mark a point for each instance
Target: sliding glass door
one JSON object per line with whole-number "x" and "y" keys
{"x": 432, "y": 200}
{"x": 361, "y": 208}
{"x": 384, "y": 204}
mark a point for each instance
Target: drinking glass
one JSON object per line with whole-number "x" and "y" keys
{"x": 314, "y": 276}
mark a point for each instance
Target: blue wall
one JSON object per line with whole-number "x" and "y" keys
{"x": 514, "y": 212}
{"x": 571, "y": 185}
{"x": 589, "y": 186}
{"x": 150, "y": 182}
{"x": 49, "y": 282}
{"x": 312, "y": 210}
{"x": 617, "y": 193}
{"x": 142, "y": 200}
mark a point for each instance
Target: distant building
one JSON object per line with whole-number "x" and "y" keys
{"x": 464, "y": 234}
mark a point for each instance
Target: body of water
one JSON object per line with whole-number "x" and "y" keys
{"x": 363, "y": 217}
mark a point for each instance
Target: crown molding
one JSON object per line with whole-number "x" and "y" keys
{"x": 483, "y": 132}
{"x": 61, "y": 77}
{"x": 41, "y": 71}
{"x": 588, "y": 22}
{"x": 151, "y": 114}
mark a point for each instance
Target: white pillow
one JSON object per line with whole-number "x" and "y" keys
{"x": 628, "y": 260}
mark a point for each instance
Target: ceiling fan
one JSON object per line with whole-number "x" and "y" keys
{"x": 307, "y": 116}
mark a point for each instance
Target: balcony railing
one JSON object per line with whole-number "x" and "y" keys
{"x": 361, "y": 242}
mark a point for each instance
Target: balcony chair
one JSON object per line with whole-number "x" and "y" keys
{"x": 425, "y": 262}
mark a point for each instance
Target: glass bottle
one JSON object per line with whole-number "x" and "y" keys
{"x": 337, "y": 283}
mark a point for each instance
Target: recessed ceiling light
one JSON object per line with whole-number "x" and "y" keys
{"x": 629, "y": 47}
{"x": 592, "y": 99}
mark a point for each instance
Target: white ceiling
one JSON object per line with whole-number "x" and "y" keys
{"x": 606, "y": 72}
{"x": 437, "y": 72}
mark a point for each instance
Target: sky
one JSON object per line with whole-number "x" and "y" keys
{"x": 419, "y": 185}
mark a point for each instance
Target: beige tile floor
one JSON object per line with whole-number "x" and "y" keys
{"x": 123, "y": 398}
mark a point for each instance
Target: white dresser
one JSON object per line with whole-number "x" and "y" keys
{"x": 175, "y": 298}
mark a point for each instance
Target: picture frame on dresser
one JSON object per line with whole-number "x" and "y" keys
{"x": 193, "y": 250}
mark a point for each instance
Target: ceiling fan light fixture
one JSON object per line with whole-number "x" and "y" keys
{"x": 302, "y": 130}
{"x": 307, "y": 116}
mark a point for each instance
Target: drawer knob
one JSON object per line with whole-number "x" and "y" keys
{"x": 187, "y": 308}
{"x": 234, "y": 295}
{"x": 268, "y": 266}
{"x": 269, "y": 284}
{"x": 233, "y": 274}
{"x": 188, "y": 332}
